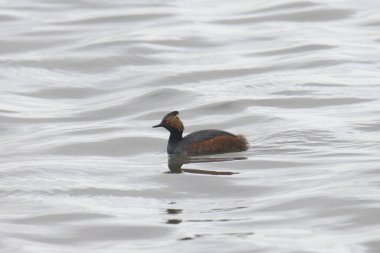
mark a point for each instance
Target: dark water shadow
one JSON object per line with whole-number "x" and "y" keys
{"x": 175, "y": 163}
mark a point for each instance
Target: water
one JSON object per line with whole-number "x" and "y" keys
{"x": 82, "y": 82}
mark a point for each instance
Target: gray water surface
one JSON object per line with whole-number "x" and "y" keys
{"x": 82, "y": 82}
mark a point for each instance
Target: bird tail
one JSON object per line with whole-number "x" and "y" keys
{"x": 244, "y": 145}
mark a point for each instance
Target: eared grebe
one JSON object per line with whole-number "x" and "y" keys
{"x": 200, "y": 142}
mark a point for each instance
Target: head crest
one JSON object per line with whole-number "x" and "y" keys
{"x": 171, "y": 114}
{"x": 171, "y": 119}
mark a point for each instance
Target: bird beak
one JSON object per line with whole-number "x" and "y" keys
{"x": 159, "y": 125}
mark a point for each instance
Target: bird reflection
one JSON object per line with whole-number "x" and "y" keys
{"x": 175, "y": 163}
{"x": 173, "y": 211}
{"x": 173, "y": 221}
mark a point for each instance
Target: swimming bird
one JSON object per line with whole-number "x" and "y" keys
{"x": 200, "y": 142}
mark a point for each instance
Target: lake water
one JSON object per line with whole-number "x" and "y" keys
{"x": 82, "y": 82}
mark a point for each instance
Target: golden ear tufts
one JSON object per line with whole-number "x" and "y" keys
{"x": 175, "y": 122}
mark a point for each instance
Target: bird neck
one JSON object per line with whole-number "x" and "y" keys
{"x": 175, "y": 137}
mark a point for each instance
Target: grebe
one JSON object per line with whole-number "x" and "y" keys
{"x": 200, "y": 142}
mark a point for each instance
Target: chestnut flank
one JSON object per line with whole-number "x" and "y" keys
{"x": 219, "y": 144}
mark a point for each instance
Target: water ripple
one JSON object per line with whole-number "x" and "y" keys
{"x": 82, "y": 170}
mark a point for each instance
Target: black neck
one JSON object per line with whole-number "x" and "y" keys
{"x": 175, "y": 137}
